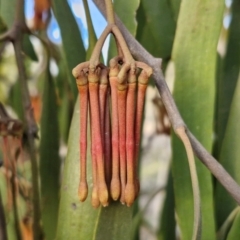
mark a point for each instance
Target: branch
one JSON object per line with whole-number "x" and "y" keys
{"x": 175, "y": 118}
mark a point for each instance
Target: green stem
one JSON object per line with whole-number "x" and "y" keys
{"x": 94, "y": 60}
{"x": 121, "y": 41}
{"x": 181, "y": 132}
{"x": 110, "y": 12}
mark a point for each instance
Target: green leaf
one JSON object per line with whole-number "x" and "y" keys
{"x": 28, "y": 48}
{"x": 65, "y": 111}
{"x": 74, "y": 52}
{"x": 66, "y": 103}
{"x": 175, "y": 6}
{"x": 235, "y": 229}
{"x": 15, "y": 99}
{"x": 223, "y": 231}
{"x": 230, "y": 71}
{"x": 49, "y": 159}
{"x": 156, "y": 27}
{"x": 194, "y": 56}
{"x": 115, "y": 222}
{"x": 167, "y": 220}
{"x": 80, "y": 220}
{"x": 7, "y": 11}
{"x": 126, "y": 11}
{"x": 3, "y": 26}
{"x": 91, "y": 33}
{"x": 229, "y": 158}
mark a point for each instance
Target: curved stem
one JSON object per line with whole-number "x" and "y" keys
{"x": 94, "y": 60}
{"x": 181, "y": 132}
{"x": 224, "y": 229}
{"x": 118, "y": 35}
{"x": 110, "y": 13}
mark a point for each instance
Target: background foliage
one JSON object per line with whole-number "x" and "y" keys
{"x": 201, "y": 62}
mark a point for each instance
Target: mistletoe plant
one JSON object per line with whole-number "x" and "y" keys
{"x": 115, "y": 174}
{"x": 116, "y": 138}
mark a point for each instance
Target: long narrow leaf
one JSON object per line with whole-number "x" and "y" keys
{"x": 167, "y": 228}
{"x": 230, "y": 158}
{"x": 49, "y": 159}
{"x": 230, "y": 70}
{"x": 74, "y": 51}
{"x": 223, "y": 231}
{"x": 194, "y": 56}
{"x": 80, "y": 220}
{"x": 235, "y": 230}
{"x": 156, "y": 28}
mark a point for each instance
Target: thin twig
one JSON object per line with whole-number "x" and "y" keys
{"x": 175, "y": 118}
